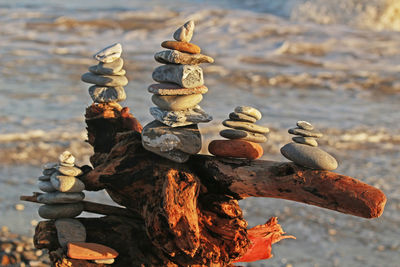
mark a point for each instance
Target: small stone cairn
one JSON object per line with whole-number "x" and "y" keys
{"x": 174, "y": 133}
{"x": 244, "y": 135}
{"x": 62, "y": 202}
{"x": 108, "y": 76}
{"x": 305, "y": 152}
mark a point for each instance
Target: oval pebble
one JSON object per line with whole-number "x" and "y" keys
{"x": 57, "y": 211}
{"x": 305, "y": 133}
{"x": 60, "y": 198}
{"x": 305, "y": 140}
{"x": 250, "y": 111}
{"x": 305, "y": 125}
{"x": 67, "y": 183}
{"x": 46, "y": 186}
{"x": 241, "y": 125}
{"x": 236, "y": 116}
{"x": 243, "y": 135}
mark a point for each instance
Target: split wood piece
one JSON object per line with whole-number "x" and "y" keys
{"x": 91, "y": 207}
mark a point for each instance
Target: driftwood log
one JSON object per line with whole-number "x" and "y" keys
{"x": 188, "y": 214}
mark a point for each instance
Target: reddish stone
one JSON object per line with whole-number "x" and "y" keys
{"x": 235, "y": 149}
{"x": 90, "y": 251}
{"x": 181, "y": 46}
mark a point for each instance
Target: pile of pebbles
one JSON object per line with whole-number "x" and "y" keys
{"x": 304, "y": 150}
{"x": 108, "y": 76}
{"x": 174, "y": 133}
{"x": 244, "y": 135}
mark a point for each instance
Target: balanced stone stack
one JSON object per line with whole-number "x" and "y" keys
{"x": 174, "y": 133}
{"x": 305, "y": 152}
{"x": 108, "y": 76}
{"x": 244, "y": 135}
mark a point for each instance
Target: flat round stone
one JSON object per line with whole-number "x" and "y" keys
{"x": 108, "y": 68}
{"x": 176, "y": 57}
{"x": 46, "y": 186}
{"x": 236, "y": 116}
{"x": 247, "y": 126}
{"x": 181, "y": 46}
{"x": 176, "y": 102}
{"x": 60, "y": 198}
{"x": 185, "y": 32}
{"x": 66, "y": 157}
{"x": 58, "y": 211}
{"x": 308, "y": 156}
{"x": 243, "y": 135}
{"x": 105, "y": 80}
{"x": 250, "y": 111}
{"x": 305, "y": 140}
{"x": 48, "y": 171}
{"x": 50, "y": 165}
{"x": 69, "y": 171}
{"x": 174, "y": 89}
{"x": 67, "y": 183}
{"x": 44, "y": 178}
{"x": 69, "y": 230}
{"x": 109, "y": 54}
{"x": 305, "y": 133}
{"x": 235, "y": 149}
{"x": 94, "y": 70}
{"x": 305, "y": 125}
{"x": 102, "y": 94}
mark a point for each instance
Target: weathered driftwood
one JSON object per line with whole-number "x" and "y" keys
{"x": 189, "y": 212}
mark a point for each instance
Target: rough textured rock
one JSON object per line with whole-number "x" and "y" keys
{"x": 180, "y": 118}
{"x": 235, "y": 149}
{"x": 159, "y": 137}
{"x": 241, "y": 125}
{"x": 60, "y": 198}
{"x": 185, "y": 32}
{"x": 70, "y": 230}
{"x": 176, "y": 57}
{"x": 187, "y": 76}
{"x": 173, "y": 89}
{"x": 305, "y": 125}
{"x": 176, "y": 103}
{"x": 236, "y": 116}
{"x": 243, "y": 135}
{"x": 250, "y": 111}
{"x": 305, "y": 140}
{"x": 305, "y": 133}
{"x": 310, "y": 157}
{"x": 109, "y": 54}
{"x": 105, "y": 80}
{"x": 57, "y": 211}
{"x": 90, "y": 251}
{"x": 101, "y": 94}
{"x": 182, "y": 47}
{"x": 68, "y": 184}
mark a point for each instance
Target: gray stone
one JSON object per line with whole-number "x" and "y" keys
{"x": 308, "y": 156}
{"x": 108, "y": 68}
{"x": 185, "y": 32}
{"x": 46, "y": 186}
{"x": 157, "y": 137}
{"x": 70, "y": 230}
{"x": 109, "y": 54}
{"x": 305, "y": 140}
{"x": 44, "y": 178}
{"x": 180, "y": 118}
{"x": 101, "y": 94}
{"x": 247, "y": 126}
{"x": 236, "y": 116}
{"x": 174, "y": 89}
{"x": 58, "y": 211}
{"x": 105, "y": 261}
{"x": 305, "y": 133}
{"x": 66, "y": 157}
{"x": 69, "y": 171}
{"x": 177, "y": 57}
{"x": 68, "y": 184}
{"x": 175, "y": 103}
{"x": 48, "y": 171}
{"x": 94, "y": 70}
{"x": 305, "y": 125}
{"x": 250, "y": 111}
{"x": 243, "y": 135}
{"x": 105, "y": 80}
{"x": 60, "y": 198}
{"x": 50, "y": 165}
{"x": 187, "y": 76}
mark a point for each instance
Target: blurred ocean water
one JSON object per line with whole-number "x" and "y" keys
{"x": 333, "y": 63}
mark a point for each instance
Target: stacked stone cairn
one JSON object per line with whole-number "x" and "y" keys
{"x": 108, "y": 76}
{"x": 304, "y": 150}
{"x": 174, "y": 133}
{"x": 244, "y": 136}
{"x": 62, "y": 202}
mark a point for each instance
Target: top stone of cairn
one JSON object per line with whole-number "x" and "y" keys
{"x": 185, "y": 32}
{"x": 109, "y": 54}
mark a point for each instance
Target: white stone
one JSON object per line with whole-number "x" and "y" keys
{"x": 109, "y": 54}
